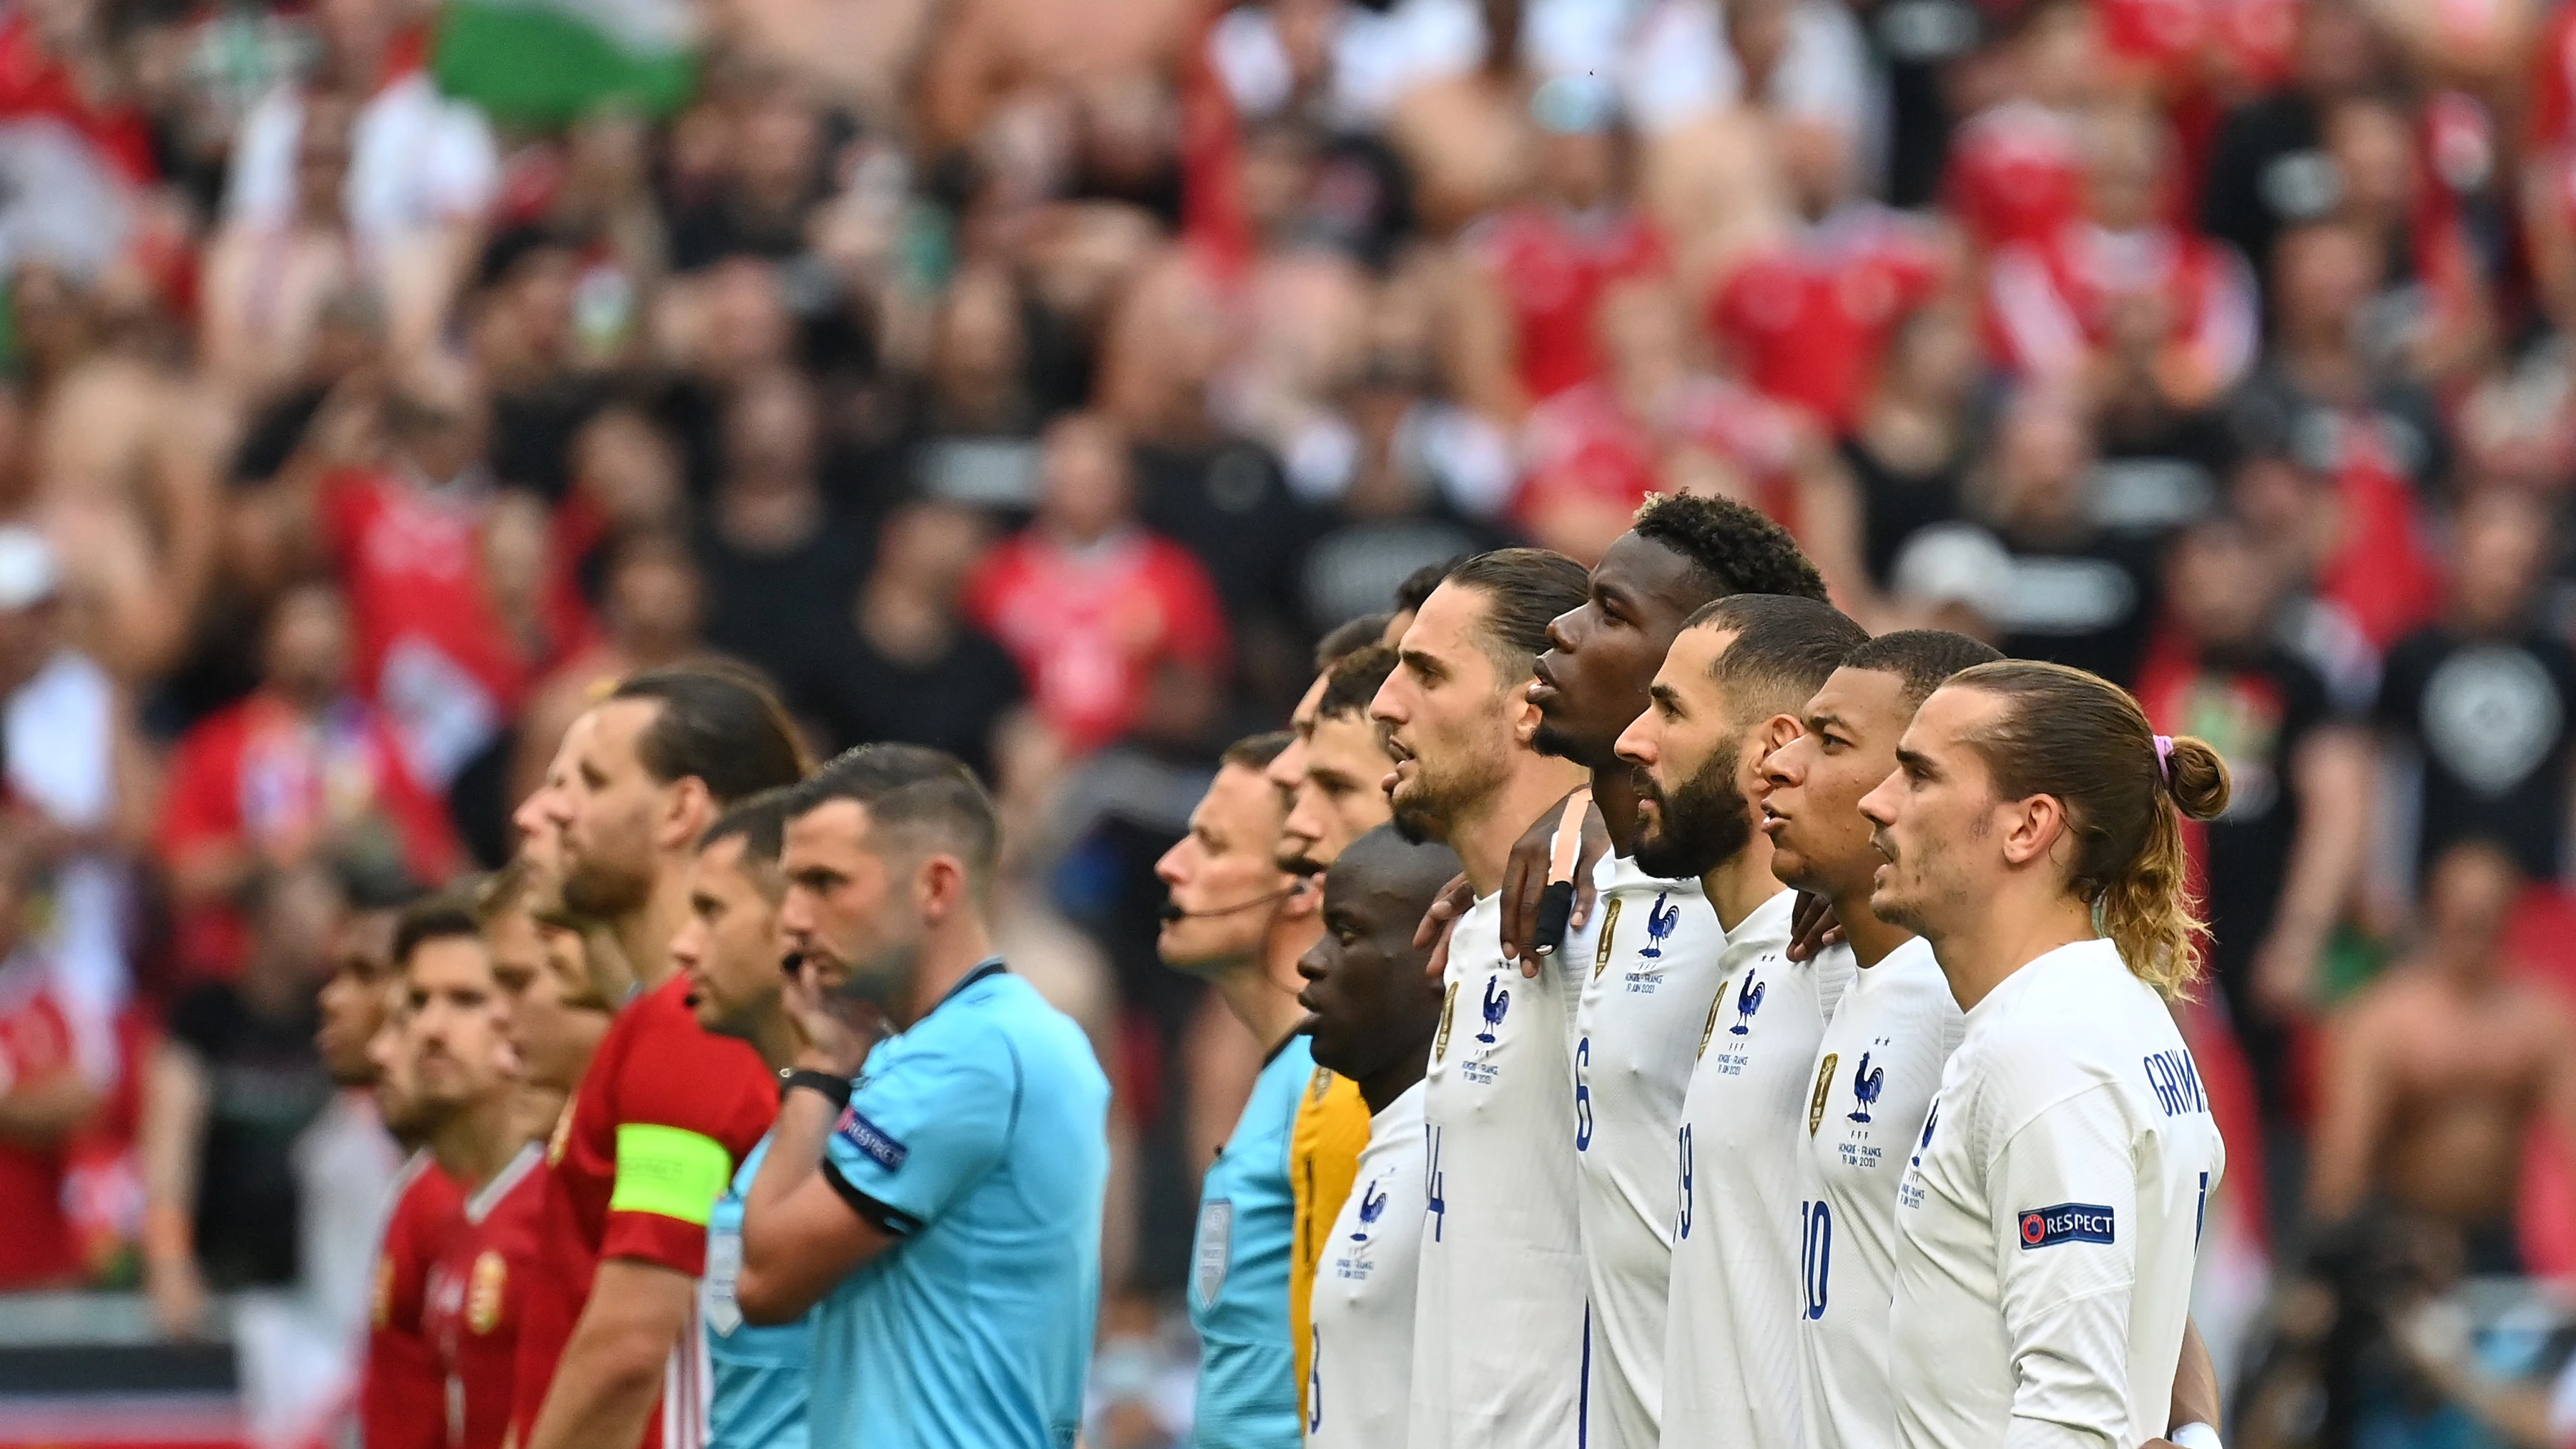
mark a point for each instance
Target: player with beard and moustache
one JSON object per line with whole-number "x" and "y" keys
{"x": 1373, "y": 1011}
{"x": 665, "y": 1111}
{"x": 730, "y": 953}
{"x": 1727, "y": 695}
{"x": 1880, "y": 1059}
{"x": 540, "y": 855}
{"x": 1649, "y": 951}
{"x": 1239, "y": 922}
{"x": 466, "y": 1083}
{"x": 402, "y": 1402}
{"x": 2049, "y": 1215}
{"x": 1332, "y": 1123}
{"x": 1499, "y": 1323}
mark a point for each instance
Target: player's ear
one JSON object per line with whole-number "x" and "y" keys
{"x": 688, "y": 810}
{"x": 2033, "y": 826}
{"x": 1305, "y": 897}
{"x": 1769, "y": 735}
{"x": 941, "y": 887}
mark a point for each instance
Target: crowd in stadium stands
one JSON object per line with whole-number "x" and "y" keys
{"x": 1041, "y": 379}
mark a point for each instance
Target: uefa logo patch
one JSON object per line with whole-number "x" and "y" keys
{"x": 2068, "y": 1222}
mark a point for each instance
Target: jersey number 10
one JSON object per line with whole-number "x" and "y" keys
{"x": 1815, "y": 1254}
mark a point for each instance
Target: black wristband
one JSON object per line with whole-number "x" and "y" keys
{"x": 837, "y": 1089}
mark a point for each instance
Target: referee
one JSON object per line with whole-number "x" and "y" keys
{"x": 941, "y": 1214}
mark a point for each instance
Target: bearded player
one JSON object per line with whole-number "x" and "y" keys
{"x": 1729, "y": 694}
{"x": 1499, "y": 1319}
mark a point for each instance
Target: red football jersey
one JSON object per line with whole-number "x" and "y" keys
{"x": 1088, "y": 627}
{"x": 1810, "y": 318}
{"x": 2014, "y": 174}
{"x": 1552, "y": 270}
{"x": 662, "y": 1118}
{"x": 40, "y": 1041}
{"x": 400, "y": 1405}
{"x": 476, "y": 1292}
{"x": 1584, "y": 442}
{"x": 2049, "y": 305}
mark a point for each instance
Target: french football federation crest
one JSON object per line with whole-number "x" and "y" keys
{"x": 1748, "y": 1000}
{"x": 1867, "y": 1083}
{"x": 1448, "y": 1005}
{"x": 1372, "y": 1207}
{"x": 1609, "y": 931}
{"x": 1661, "y": 918}
{"x": 483, "y": 1293}
{"x": 1497, "y": 1002}
{"x": 1824, "y": 1088}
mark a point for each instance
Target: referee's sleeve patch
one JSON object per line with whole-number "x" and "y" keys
{"x": 874, "y": 1142}
{"x": 2068, "y": 1222}
{"x": 671, "y": 1172}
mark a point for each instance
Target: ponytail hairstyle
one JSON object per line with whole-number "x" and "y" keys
{"x": 2126, "y": 791}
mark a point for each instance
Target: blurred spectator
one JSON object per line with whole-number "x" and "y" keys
{"x": 421, "y": 170}
{"x": 2268, "y": 169}
{"x": 443, "y": 644}
{"x": 2440, "y": 1069}
{"x": 1117, "y": 630}
{"x": 525, "y": 343}
{"x": 1916, "y": 434}
{"x": 651, "y": 600}
{"x": 58, "y": 1059}
{"x": 2486, "y": 697}
{"x": 2118, "y": 301}
{"x": 2016, "y": 171}
{"x": 1526, "y": 330}
{"x": 302, "y": 773}
{"x": 771, "y": 177}
{"x": 2281, "y": 865}
{"x": 772, "y": 546}
{"x": 268, "y": 279}
{"x": 2428, "y": 316}
{"x": 901, "y": 664}
{"x": 230, "y": 1092}
{"x": 2079, "y": 594}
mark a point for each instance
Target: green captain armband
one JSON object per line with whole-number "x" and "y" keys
{"x": 671, "y": 1172}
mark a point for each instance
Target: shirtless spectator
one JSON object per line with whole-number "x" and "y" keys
{"x": 2439, "y": 1070}
{"x": 268, "y": 279}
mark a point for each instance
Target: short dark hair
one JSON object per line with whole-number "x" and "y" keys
{"x": 1525, "y": 589}
{"x": 760, "y": 823}
{"x": 719, "y": 723}
{"x": 1417, "y": 585}
{"x": 1784, "y": 649}
{"x": 907, "y": 790}
{"x": 1921, "y": 659}
{"x": 1734, "y": 549}
{"x": 1255, "y": 752}
{"x": 1349, "y": 637}
{"x": 435, "y": 918}
{"x": 1354, "y": 680}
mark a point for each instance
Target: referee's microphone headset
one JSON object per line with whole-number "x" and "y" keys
{"x": 1172, "y": 910}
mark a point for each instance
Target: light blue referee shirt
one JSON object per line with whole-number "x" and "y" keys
{"x": 1239, "y": 1269}
{"x": 759, "y": 1373}
{"x": 981, "y": 1137}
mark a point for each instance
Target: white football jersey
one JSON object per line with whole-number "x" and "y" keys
{"x": 1875, "y": 1073}
{"x": 1499, "y": 1314}
{"x": 2049, "y": 1216}
{"x": 1648, "y": 979}
{"x": 1360, "y": 1391}
{"x": 1730, "y": 1343}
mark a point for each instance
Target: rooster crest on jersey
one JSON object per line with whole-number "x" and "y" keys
{"x": 1661, "y": 918}
{"x": 1372, "y": 1207}
{"x": 1497, "y": 1001}
{"x": 1867, "y": 1083}
{"x": 1748, "y": 1000}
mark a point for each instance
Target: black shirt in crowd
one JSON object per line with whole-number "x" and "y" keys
{"x": 265, "y": 1086}
{"x": 2490, "y": 719}
{"x": 857, "y": 694}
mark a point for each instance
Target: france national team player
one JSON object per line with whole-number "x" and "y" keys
{"x": 1239, "y": 920}
{"x": 944, "y": 1208}
{"x": 1882, "y": 1052}
{"x": 1727, "y": 696}
{"x": 2050, "y": 1212}
{"x": 728, "y": 950}
{"x": 1499, "y": 1305}
{"x": 1648, "y": 955}
{"x": 1375, "y": 1012}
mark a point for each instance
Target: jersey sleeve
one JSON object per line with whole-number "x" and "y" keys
{"x": 918, "y": 1135}
{"x": 690, "y": 1106}
{"x": 2065, "y": 1193}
